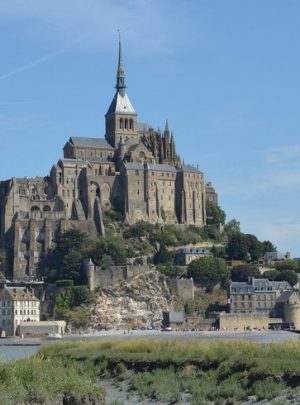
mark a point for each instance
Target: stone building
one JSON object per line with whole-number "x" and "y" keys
{"x": 17, "y": 304}
{"x": 134, "y": 168}
{"x": 185, "y": 256}
{"x": 257, "y": 296}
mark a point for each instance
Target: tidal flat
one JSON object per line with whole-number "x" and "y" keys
{"x": 220, "y": 372}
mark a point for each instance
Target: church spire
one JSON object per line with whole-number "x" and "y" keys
{"x": 120, "y": 84}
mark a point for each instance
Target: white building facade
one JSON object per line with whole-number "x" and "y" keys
{"x": 17, "y": 304}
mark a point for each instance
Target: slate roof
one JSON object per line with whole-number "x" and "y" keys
{"x": 161, "y": 167}
{"x": 260, "y": 284}
{"x": 189, "y": 169}
{"x": 120, "y": 104}
{"x": 98, "y": 143}
{"x": 284, "y": 297}
{"x": 264, "y": 284}
{"x": 17, "y": 294}
{"x": 150, "y": 166}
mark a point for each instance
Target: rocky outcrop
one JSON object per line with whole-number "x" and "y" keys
{"x": 140, "y": 301}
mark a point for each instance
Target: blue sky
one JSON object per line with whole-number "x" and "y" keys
{"x": 224, "y": 73}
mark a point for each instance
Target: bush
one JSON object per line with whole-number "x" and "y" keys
{"x": 209, "y": 271}
{"x": 162, "y": 256}
{"x": 64, "y": 283}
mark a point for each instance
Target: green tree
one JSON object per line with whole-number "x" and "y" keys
{"x": 209, "y": 271}
{"x": 79, "y": 316}
{"x": 162, "y": 256}
{"x": 189, "y": 307}
{"x": 288, "y": 264}
{"x": 254, "y": 247}
{"x": 112, "y": 246}
{"x": 271, "y": 274}
{"x": 238, "y": 247}
{"x": 214, "y": 214}
{"x": 232, "y": 226}
{"x": 288, "y": 275}
{"x": 65, "y": 260}
{"x": 243, "y": 272}
{"x": 268, "y": 246}
{"x": 169, "y": 270}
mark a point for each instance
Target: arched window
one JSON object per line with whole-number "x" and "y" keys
{"x": 46, "y": 208}
{"x": 131, "y": 123}
{"x": 121, "y": 123}
{"x": 126, "y": 123}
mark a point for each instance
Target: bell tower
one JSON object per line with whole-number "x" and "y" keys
{"x": 121, "y": 119}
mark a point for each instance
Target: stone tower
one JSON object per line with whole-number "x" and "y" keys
{"x": 121, "y": 118}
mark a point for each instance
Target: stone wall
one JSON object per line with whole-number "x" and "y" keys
{"x": 243, "y": 321}
{"x": 98, "y": 277}
{"x": 184, "y": 288}
{"x": 42, "y": 328}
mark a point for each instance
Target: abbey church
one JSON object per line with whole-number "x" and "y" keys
{"x": 134, "y": 169}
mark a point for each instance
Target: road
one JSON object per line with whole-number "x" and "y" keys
{"x": 254, "y": 336}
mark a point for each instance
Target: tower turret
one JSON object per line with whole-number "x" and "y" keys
{"x": 121, "y": 119}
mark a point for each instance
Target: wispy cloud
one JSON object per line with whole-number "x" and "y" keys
{"x": 9, "y": 103}
{"x": 151, "y": 27}
{"x": 285, "y": 178}
{"x": 282, "y": 154}
{"x": 43, "y": 59}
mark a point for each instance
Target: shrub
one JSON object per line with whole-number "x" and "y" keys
{"x": 64, "y": 283}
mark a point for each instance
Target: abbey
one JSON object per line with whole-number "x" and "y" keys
{"x": 134, "y": 168}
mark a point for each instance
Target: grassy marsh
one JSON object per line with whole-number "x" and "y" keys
{"x": 206, "y": 372}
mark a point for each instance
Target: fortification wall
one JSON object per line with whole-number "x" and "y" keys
{"x": 243, "y": 321}
{"x": 184, "y": 288}
{"x": 98, "y": 277}
{"x": 292, "y": 314}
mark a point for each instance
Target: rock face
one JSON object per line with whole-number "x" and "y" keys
{"x": 138, "y": 302}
